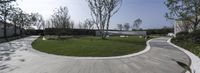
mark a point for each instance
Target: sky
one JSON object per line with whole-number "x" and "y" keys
{"x": 150, "y": 11}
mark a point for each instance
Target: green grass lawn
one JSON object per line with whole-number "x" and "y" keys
{"x": 91, "y": 46}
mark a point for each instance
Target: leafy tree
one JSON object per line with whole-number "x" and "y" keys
{"x": 126, "y": 26}
{"x": 102, "y": 11}
{"x": 20, "y": 20}
{"x": 5, "y": 14}
{"x": 185, "y": 10}
{"x": 137, "y": 23}
{"x": 25, "y": 22}
{"x": 15, "y": 18}
{"x": 6, "y": 1}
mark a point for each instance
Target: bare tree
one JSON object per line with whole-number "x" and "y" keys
{"x": 80, "y": 25}
{"x": 126, "y": 26}
{"x": 120, "y": 27}
{"x": 89, "y": 23}
{"x": 102, "y": 11}
{"x": 37, "y": 20}
{"x": 61, "y": 18}
{"x": 71, "y": 24}
{"x": 111, "y": 7}
{"x": 85, "y": 26}
{"x": 48, "y": 24}
{"x": 137, "y": 23}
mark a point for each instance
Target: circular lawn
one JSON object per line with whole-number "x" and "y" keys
{"x": 89, "y": 46}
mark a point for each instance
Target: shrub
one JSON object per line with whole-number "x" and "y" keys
{"x": 62, "y": 32}
{"x": 189, "y": 41}
{"x": 159, "y": 31}
{"x": 182, "y": 36}
{"x": 184, "y": 33}
{"x": 195, "y": 36}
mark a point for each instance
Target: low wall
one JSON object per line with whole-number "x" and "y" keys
{"x": 10, "y": 31}
{"x": 141, "y": 33}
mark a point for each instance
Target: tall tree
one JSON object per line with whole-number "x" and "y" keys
{"x": 37, "y": 20}
{"x": 137, "y": 23}
{"x": 71, "y": 24}
{"x": 126, "y": 26}
{"x": 15, "y": 18}
{"x": 80, "y": 25}
{"x": 25, "y": 22}
{"x": 184, "y": 10}
{"x": 85, "y": 26}
{"x": 61, "y": 19}
{"x": 89, "y": 23}
{"x": 102, "y": 11}
{"x": 5, "y": 14}
{"x": 20, "y": 20}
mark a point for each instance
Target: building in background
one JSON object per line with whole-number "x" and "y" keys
{"x": 181, "y": 26}
{"x": 130, "y": 33}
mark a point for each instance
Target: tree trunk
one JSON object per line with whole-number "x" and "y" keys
{"x": 15, "y": 29}
{"x": 5, "y": 31}
{"x": 21, "y": 30}
{"x": 107, "y": 28}
{"x": 195, "y": 27}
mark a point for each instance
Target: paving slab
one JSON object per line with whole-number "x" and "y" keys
{"x": 24, "y": 59}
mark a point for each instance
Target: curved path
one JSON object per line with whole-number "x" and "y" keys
{"x": 19, "y": 57}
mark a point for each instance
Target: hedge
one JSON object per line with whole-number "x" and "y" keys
{"x": 56, "y": 31}
{"x": 159, "y": 31}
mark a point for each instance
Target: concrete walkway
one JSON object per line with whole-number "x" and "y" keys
{"x": 19, "y": 57}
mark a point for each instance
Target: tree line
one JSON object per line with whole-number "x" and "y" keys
{"x": 12, "y": 15}
{"x": 127, "y": 26}
{"x": 101, "y": 13}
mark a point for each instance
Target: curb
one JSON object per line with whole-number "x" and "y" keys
{"x": 93, "y": 58}
{"x": 195, "y": 60}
